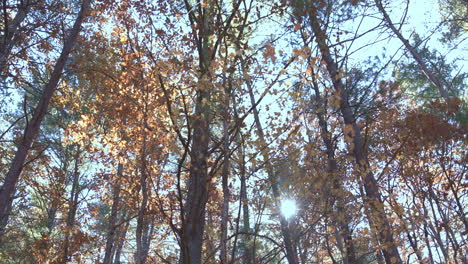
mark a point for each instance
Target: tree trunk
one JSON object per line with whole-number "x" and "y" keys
{"x": 373, "y": 199}
{"x": 197, "y": 193}
{"x": 10, "y": 33}
{"x": 291, "y": 254}
{"x": 122, "y": 233}
{"x": 73, "y": 206}
{"x": 340, "y": 217}
{"x": 226, "y": 194}
{"x": 112, "y": 228}
{"x": 142, "y": 220}
{"x": 32, "y": 128}
{"x": 248, "y": 247}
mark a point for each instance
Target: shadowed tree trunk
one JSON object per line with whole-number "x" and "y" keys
{"x": 209, "y": 28}
{"x": 73, "y": 207}
{"x": 32, "y": 128}
{"x": 341, "y": 216}
{"x": 112, "y": 229}
{"x": 226, "y": 194}
{"x": 10, "y": 32}
{"x": 249, "y": 249}
{"x": 122, "y": 233}
{"x": 197, "y": 193}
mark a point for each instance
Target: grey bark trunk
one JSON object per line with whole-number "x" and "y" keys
{"x": 373, "y": 199}
{"x": 226, "y": 194}
{"x": 32, "y": 128}
{"x": 249, "y": 248}
{"x": 73, "y": 205}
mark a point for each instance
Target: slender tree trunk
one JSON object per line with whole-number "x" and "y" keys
{"x": 428, "y": 244}
{"x": 226, "y": 194}
{"x": 142, "y": 220}
{"x": 10, "y": 33}
{"x": 373, "y": 198}
{"x": 248, "y": 247}
{"x": 291, "y": 254}
{"x": 73, "y": 207}
{"x": 122, "y": 233}
{"x": 32, "y": 128}
{"x": 436, "y": 234}
{"x": 112, "y": 228}
{"x": 430, "y": 75}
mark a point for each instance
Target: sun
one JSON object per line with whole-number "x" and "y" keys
{"x": 288, "y": 208}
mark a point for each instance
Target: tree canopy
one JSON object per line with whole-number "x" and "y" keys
{"x": 241, "y": 131}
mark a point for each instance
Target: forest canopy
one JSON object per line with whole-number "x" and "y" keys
{"x": 233, "y": 131}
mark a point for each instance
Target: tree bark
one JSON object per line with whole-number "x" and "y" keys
{"x": 248, "y": 247}
{"x": 32, "y": 128}
{"x": 373, "y": 198}
{"x": 197, "y": 193}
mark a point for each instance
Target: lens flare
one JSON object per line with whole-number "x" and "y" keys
{"x": 288, "y": 208}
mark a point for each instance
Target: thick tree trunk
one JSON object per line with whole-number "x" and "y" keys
{"x": 112, "y": 228}
{"x": 32, "y": 128}
{"x": 197, "y": 197}
{"x": 422, "y": 65}
{"x": 10, "y": 32}
{"x": 373, "y": 199}
{"x": 197, "y": 193}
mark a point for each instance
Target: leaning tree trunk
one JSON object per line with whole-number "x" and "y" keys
{"x": 32, "y": 128}
{"x": 430, "y": 75}
{"x": 373, "y": 198}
